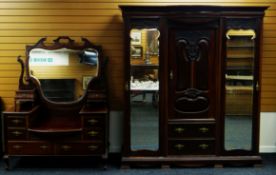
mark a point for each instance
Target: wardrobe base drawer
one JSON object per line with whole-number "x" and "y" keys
{"x": 191, "y": 130}
{"x": 191, "y": 147}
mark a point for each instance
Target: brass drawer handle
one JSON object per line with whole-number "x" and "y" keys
{"x": 203, "y": 129}
{"x": 203, "y": 146}
{"x": 92, "y": 147}
{"x": 179, "y": 147}
{"x": 66, "y": 147}
{"x": 44, "y": 147}
{"x": 17, "y": 133}
{"x": 17, "y": 147}
{"x": 179, "y": 130}
{"x": 16, "y": 121}
{"x": 93, "y": 121}
{"x": 92, "y": 133}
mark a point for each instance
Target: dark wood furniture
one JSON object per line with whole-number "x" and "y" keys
{"x": 45, "y": 122}
{"x": 207, "y": 110}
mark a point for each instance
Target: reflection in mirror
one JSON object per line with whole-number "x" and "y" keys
{"x": 239, "y": 89}
{"x": 63, "y": 72}
{"x": 144, "y": 89}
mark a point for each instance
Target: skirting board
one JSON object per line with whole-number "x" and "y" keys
{"x": 267, "y": 132}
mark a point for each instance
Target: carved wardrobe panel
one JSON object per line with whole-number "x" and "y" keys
{"x": 192, "y": 65}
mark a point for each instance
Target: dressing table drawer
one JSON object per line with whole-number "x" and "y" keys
{"x": 15, "y": 121}
{"x": 191, "y": 130}
{"x": 95, "y": 133}
{"x": 94, "y": 121}
{"x": 30, "y": 148}
{"x": 16, "y": 134}
{"x": 191, "y": 147}
{"x": 80, "y": 148}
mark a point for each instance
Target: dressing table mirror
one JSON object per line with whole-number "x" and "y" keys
{"x": 61, "y": 106}
{"x": 63, "y": 73}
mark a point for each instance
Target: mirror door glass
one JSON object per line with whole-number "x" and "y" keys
{"x": 240, "y": 53}
{"x": 63, "y": 73}
{"x": 144, "y": 89}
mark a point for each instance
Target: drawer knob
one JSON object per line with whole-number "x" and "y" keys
{"x": 93, "y": 133}
{"x": 203, "y": 129}
{"x": 179, "y": 147}
{"x": 92, "y": 147}
{"x": 17, "y": 133}
{"x": 93, "y": 121}
{"x": 66, "y": 147}
{"x": 203, "y": 146}
{"x": 179, "y": 130}
{"x": 17, "y": 147}
{"x": 44, "y": 147}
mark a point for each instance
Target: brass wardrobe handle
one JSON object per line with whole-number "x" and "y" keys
{"x": 179, "y": 147}
{"x": 203, "y": 146}
{"x": 257, "y": 86}
{"x": 126, "y": 86}
{"x": 203, "y": 129}
{"x": 179, "y": 130}
{"x": 171, "y": 74}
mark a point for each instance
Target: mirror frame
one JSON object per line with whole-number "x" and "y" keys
{"x": 58, "y": 44}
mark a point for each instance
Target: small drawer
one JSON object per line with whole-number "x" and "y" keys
{"x": 30, "y": 148}
{"x": 16, "y": 134}
{"x": 15, "y": 121}
{"x": 191, "y": 147}
{"x": 95, "y": 134}
{"x": 80, "y": 148}
{"x": 94, "y": 121}
{"x": 191, "y": 130}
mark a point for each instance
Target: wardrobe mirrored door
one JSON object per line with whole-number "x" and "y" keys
{"x": 144, "y": 89}
{"x": 239, "y": 89}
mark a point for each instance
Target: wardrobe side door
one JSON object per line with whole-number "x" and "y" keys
{"x": 192, "y": 57}
{"x": 241, "y": 85}
{"x": 144, "y": 90}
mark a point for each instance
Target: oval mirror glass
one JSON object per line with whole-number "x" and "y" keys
{"x": 63, "y": 73}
